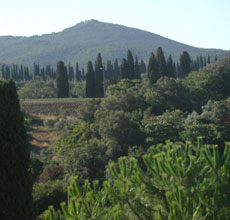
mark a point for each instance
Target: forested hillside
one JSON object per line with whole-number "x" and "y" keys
{"x": 85, "y": 40}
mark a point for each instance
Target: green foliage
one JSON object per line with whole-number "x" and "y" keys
{"x": 15, "y": 181}
{"x": 168, "y": 94}
{"x": 182, "y": 182}
{"x": 62, "y": 80}
{"x": 37, "y": 89}
{"x": 77, "y": 89}
{"x": 169, "y": 125}
{"x": 48, "y": 193}
{"x": 119, "y": 132}
{"x": 122, "y": 86}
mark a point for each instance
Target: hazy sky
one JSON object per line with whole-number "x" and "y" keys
{"x": 201, "y": 23}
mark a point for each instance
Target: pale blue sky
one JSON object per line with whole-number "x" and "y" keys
{"x": 201, "y": 23}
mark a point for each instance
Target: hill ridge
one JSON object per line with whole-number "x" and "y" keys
{"x": 84, "y": 40}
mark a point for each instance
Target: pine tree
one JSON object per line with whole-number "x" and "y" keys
{"x": 170, "y": 68}
{"x": 137, "y": 69}
{"x": 124, "y": 69}
{"x": 99, "y": 78}
{"x": 160, "y": 57}
{"x": 90, "y": 81}
{"x": 130, "y": 65}
{"x": 62, "y": 80}
{"x": 185, "y": 63}
{"x": 153, "y": 74}
{"x": 15, "y": 181}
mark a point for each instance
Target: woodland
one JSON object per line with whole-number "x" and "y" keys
{"x": 145, "y": 141}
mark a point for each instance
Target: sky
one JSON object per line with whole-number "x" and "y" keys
{"x": 200, "y": 23}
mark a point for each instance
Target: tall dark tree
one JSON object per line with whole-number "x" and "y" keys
{"x": 142, "y": 67}
{"x": 208, "y": 61}
{"x": 15, "y": 181}
{"x": 201, "y": 61}
{"x": 137, "y": 69}
{"x": 197, "y": 63}
{"x": 185, "y": 63}
{"x": 90, "y": 90}
{"x": 36, "y": 70}
{"x": 170, "y": 67}
{"x": 48, "y": 72}
{"x": 124, "y": 69}
{"x": 21, "y": 73}
{"x": 153, "y": 74}
{"x": 109, "y": 73}
{"x": 99, "y": 77}
{"x": 78, "y": 73}
{"x": 62, "y": 80}
{"x": 162, "y": 67}
{"x": 116, "y": 69}
{"x": 130, "y": 65}
{"x": 70, "y": 73}
{"x": 83, "y": 74}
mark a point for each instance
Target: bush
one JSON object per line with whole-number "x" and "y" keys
{"x": 49, "y": 193}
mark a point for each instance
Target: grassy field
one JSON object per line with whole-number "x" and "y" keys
{"x": 55, "y": 107}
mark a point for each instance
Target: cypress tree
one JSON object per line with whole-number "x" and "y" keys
{"x": 3, "y": 72}
{"x": 21, "y": 73}
{"x": 78, "y": 73}
{"x": 142, "y": 67}
{"x": 90, "y": 81}
{"x": 116, "y": 69}
{"x": 185, "y": 63}
{"x": 15, "y": 181}
{"x": 197, "y": 63}
{"x": 208, "y": 61}
{"x": 170, "y": 68}
{"x": 70, "y": 73}
{"x": 62, "y": 80}
{"x": 137, "y": 69}
{"x": 48, "y": 72}
{"x": 130, "y": 65}
{"x": 99, "y": 78}
{"x": 153, "y": 74}
{"x": 109, "y": 73}
{"x": 201, "y": 61}
{"x": 124, "y": 69}
{"x": 160, "y": 57}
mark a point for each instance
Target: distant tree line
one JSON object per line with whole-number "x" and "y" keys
{"x": 99, "y": 75}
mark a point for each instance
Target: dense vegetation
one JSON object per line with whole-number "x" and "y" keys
{"x": 120, "y": 141}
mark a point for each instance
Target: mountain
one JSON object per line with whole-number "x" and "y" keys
{"x": 85, "y": 40}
